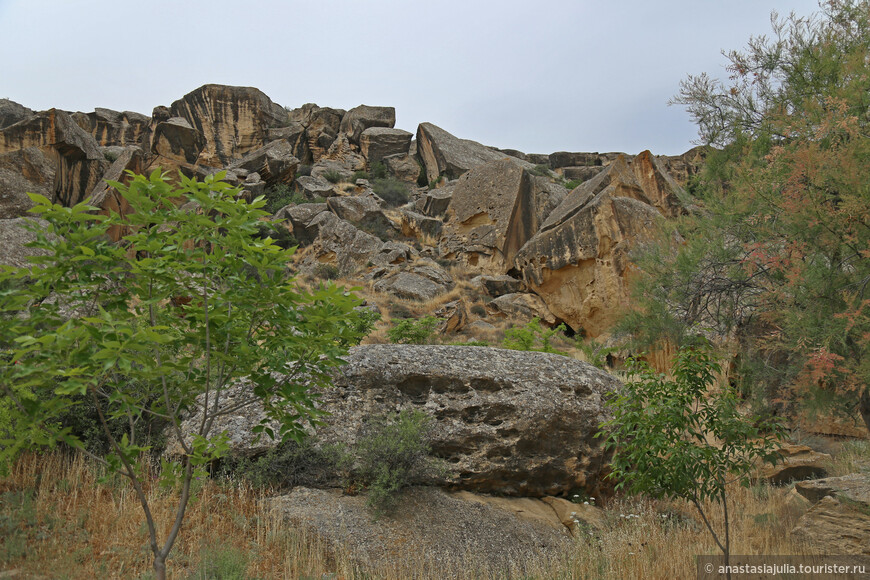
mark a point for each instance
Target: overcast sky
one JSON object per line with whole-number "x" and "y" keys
{"x": 551, "y": 75}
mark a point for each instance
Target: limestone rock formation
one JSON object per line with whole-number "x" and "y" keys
{"x": 839, "y": 522}
{"x": 450, "y": 534}
{"x": 376, "y": 143}
{"x": 363, "y": 117}
{"x": 578, "y": 260}
{"x": 444, "y": 154}
{"x": 274, "y": 162}
{"x": 339, "y": 244}
{"x": 294, "y": 134}
{"x": 234, "y": 120}
{"x": 561, "y": 159}
{"x": 177, "y": 140}
{"x": 403, "y": 167}
{"x": 496, "y": 286}
{"x": 506, "y": 422}
{"x": 24, "y": 171}
{"x": 301, "y": 218}
{"x": 321, "y": 127}
{"x": 14, "y": 237}
{"x": 11, "y": 113}
{"x": 491, "y": 216}
{"x": 116, "y": 128}
{"x": 799, "y": 462}
{"x": 521, "y": 305}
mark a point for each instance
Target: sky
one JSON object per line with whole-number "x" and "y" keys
{"x": 551, "y": 75}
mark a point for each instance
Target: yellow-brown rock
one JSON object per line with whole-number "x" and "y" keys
{"x": 578, "y": 261}
{"x": 233, "y": 120}
{"x": 110, "y": 127}
{"x": 490, "y": 217}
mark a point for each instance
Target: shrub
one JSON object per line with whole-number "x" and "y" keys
{"x": 541, "y": 170}
{"x": 326, "y": 271}
{"x": 278, "y": 196}
{"x": 392, "y": 191}
{"x": 333, "y": 176}
{"x": 664, "y": 434}
{"x": 379, "y": 170}
{"x": 478, "y": 310}
{"x": 422, "y": 181}
{"x": 292, "y": 463}
{"x": 392, "y": 452}
{"x": 573, "y": 184}
{"x": 411, "y": 331}
{"x": 359, "y": 175}
{"x": 533, "y": 337}
{"x": 595, "y": 352}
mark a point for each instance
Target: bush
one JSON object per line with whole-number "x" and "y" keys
{"x": 393, "y": 452}
{"x": 278, "y": 196}
{"x": 392, "y": 191}
{"x": 379, "y": 170}
{"x": 333, "y": 176}
{"x": 573, "y": 184}
{"x": 541, "y": 170}
{"x": 422, "y": 181}
{"x": 411, "y": 331}
{"x": 290, "y": 464}
{"x": 359, "y": 175}
{"x": 327, "y": 271}
{"x": 533, "y": 337}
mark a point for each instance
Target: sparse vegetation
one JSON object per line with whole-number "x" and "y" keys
{"x": 413, "y": 331}
{"x": 541, "y": 170}
{"x": 573, "y": 184}
{"x": 391, "y": 190}
{"x": 533, "y": 337}
{"x": 333, "y": 176}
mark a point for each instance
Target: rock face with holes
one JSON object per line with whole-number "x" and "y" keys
{"x": 505, "y": 422}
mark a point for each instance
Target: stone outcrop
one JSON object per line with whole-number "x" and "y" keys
{"x": 451, "y": 534}
{"x": 403, "y": 167}
{"x": 321, "y": 127}
{"x": 294, "y": 134}
{"x": 24, "y": 171}
{"x": 839, "y": 521}
{"x": 578, "y": 260}
{"x": 379, "y": 142}
{"x": 14, "y": 237}
{"x": 561, "y": 159}
{"x": 301, "y": 218}
{"x": 363, "y": 117}
{"x": 107, "y": 197}
{"x": 521, "y": 305}
{"x": 339, "y": 244}
{"x": 799, "y": 462}
{"x": 11, "y": 113}
{"x": 274, "y": 162}
{"x": 114, "y": 128}
{"x": 496, "y": 286}
{"x": 444, "y": 154}
{"x": 233, "y": 120}
{"x": 491, "y": 216}
{"x": 506, "y": 422}
{"x": 177, "y": 140}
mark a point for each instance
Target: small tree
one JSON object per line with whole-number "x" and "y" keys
{"x": 187, "y": 303}
{"x": 679, "y": 438}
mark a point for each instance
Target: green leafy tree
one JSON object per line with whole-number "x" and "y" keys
{"x": 777, "y": 255}
{"x": 188, "y": 302}
{"x": 533, "y": 337}
{"x": 413, "y": 331}
{"x": 682, "y": 438}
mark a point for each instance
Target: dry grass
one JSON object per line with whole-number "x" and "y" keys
{"x": 57, "y": 521}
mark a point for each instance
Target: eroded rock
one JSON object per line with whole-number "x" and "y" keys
{"x": 445, "y": 154}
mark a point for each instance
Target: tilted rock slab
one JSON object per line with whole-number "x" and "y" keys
{"x": 578, "y": 261}
{"x": 445, "y": 154}
{"x": 234, "y": 120}
{"x": 490, "y": 217}
{"x": 506, "y": 422}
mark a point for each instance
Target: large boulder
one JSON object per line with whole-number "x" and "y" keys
{"x": 798, "y": 462}
{"x": 522, "y": 306}
{"x": 114, "y": 128}
{"x": 410, "y": 286}
{"x": 274, "y": 162}
{"x": 24, "y": 171}
{"x": 321, "y": 127}
{"x": 491, "y": 216}
{"x": 403, "y": 167}
{"x": 363, "y": 117}
{"x": 839, "y": 521}
{"x": 363, "y": 211}
{"x": 234, "y": 120}
{"x": 340, "y": 244}
{"x": 452, "y": 535}
{"x": 294, "y": 133}
{"x": 176, "y": 139}
{"x": 301, "y": 218}
{"x": 505, "y": 422}
{"x": 445, "y": 154}
{"x": 578, "y": 260}
{"x": 11, "y": 113}
{"x": 379, "y": 142}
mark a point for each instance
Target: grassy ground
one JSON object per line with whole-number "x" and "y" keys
{"x": 58, "y": 521}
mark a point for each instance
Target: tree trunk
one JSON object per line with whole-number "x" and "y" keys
{"x": 159, "y": 567}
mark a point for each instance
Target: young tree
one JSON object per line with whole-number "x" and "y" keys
{"x": 187, "y": 303}
{"x": 778, "y": 255}
{"x": 683, "y": 438}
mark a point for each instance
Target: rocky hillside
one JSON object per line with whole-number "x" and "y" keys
{"x": 467, "y": 230}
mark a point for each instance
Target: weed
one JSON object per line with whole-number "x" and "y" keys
{"x": 333, "y": 176}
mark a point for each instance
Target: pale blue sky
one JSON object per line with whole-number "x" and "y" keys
{"x": 582, "y": 75}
